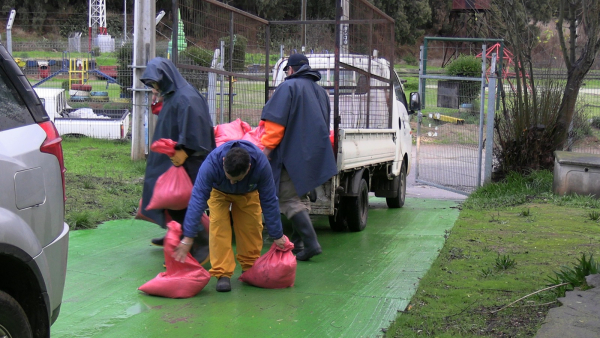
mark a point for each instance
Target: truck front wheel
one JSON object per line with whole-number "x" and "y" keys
{"x": 357, "y": 208}
{"x": 398, "y": 201}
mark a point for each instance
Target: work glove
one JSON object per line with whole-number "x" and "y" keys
{"x": 179, "y": 157}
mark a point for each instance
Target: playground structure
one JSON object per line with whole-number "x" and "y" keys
{"x": 505, "y": 61}
{"x": 78, "y": 69}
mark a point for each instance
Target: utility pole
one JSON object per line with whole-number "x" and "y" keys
{"x": 124, "y": 20}
{"x": 11, "y": 19}
{"x": 144, "y": 46}
{"x": 303, "y": 18}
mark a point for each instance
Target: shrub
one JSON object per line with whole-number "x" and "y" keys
{"x": 467, "y": 66}
{"x": 525, "y": 131}
{"x": 201, "y": 57}
{"x": 410, "y": 60}
{"x": 239, "y": 53}
{"x": 124, "y": 73}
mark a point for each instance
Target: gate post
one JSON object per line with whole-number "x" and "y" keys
{"x": 489, "y": 141}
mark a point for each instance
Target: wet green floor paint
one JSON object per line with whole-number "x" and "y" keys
{"x": 354, "y": 289}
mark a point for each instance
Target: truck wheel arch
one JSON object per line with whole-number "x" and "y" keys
{"x": 354, "y": 182}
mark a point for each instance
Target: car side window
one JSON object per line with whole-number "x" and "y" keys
{"x": 13, "y": 111}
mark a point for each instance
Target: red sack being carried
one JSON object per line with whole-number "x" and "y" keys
{"x": 164, "y": 146}
{"x": 256, "y": 134}
{"x": 231, "y": 131}
{"x": 276, "y": 269}
{"x": 181, "y": 280}
{"x": 173, "y": 188}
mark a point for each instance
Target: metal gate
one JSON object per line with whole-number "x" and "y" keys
{"x": 456, "y": 120}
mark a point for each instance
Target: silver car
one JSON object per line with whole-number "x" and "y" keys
{"x": 33, "y": 235}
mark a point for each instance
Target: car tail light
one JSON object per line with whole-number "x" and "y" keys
{"x": 52, "y": 145}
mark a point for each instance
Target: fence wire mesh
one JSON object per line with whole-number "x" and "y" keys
{"x": 450, "y": 131}
{"x": 223, "y": 55}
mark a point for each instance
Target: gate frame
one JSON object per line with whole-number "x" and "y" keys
{"x": 491, "y": 106}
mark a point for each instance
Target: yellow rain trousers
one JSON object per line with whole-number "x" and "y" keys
{"x": 247, "y": 226}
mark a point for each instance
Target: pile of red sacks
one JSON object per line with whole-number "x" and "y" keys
{"x": 239, "y": 130}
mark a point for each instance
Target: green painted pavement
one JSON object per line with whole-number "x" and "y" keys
{"x": 354, "y": 289}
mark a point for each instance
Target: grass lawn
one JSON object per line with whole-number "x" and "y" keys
{"x": 508, "y": 242}
{"x": 102, "y": 182}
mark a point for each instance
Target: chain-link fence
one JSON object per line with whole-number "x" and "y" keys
{"x": 451, "y": 127}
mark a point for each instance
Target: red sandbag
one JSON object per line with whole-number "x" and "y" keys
{"x": 181, "y": 280}
{"x": 164, "y": 146}
{"x": 256, "y": 134}
{"x": 172, "y": 190}
{"x": 276, "y": 269}
{"x": 231, "y": 131}
{"x": 168, "y": 218}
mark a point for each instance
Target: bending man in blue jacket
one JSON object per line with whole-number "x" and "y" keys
{"x": 236, "y": 176}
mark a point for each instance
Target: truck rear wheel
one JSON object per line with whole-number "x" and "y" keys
{"x": 13, "y": 320}
{"x": 357, "y": 208}
{"x": 338, "y": 221}
{"x": 398, "y": 201}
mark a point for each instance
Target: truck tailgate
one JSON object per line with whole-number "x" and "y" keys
{"x": 364, "y": 147}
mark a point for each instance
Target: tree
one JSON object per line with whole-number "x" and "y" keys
{"x": 579, "y": 52}
{"x": 411, "y": 17}
{"x": 536, "y": 119}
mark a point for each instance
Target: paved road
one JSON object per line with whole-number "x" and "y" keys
{"x": 419, "y": 190}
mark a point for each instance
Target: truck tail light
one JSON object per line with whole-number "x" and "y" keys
{"x": 122, "y": 131}
{"x": 52, "y": 145}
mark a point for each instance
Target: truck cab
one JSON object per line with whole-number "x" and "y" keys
{"x": 372, "y": 138}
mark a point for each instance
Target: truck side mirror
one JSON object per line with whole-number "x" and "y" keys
{"x": 415, "y": 102}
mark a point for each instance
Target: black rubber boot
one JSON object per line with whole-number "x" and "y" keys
{"x": 303, "y": 225}
{"x": 200, "y": 247}
{"x": 223, "y": 284}
{"x": 298, "y": 244}
{"x": 158, "y": 241}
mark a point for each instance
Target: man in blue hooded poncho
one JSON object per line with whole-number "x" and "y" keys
{"x": 184, "y": 118}
{"x": 297, "y": 143}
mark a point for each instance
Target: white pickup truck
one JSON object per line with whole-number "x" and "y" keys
{"x": 372, "y": 136}
{"x": 96, "y": 123}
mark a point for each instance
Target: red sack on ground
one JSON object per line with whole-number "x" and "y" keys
{"x": 256, "y": 134}
{"x": 231, "y": 131}
{"x": 164, "y": 146}
{"x": 181, "y": 280}
{"x": 276, "y": 269}
{"x": 172, "y": 190}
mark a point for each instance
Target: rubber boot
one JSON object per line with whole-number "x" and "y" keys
{"x": 297, "y": 240}
{"x": 303, "y": 225}
{"x": 200, "y": 247}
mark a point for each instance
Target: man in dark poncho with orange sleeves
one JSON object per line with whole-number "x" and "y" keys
{"x": 297, "y": 143}
{"x": 184, "y": 118}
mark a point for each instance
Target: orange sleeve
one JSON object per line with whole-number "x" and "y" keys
{"x": 273, "y": 134}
